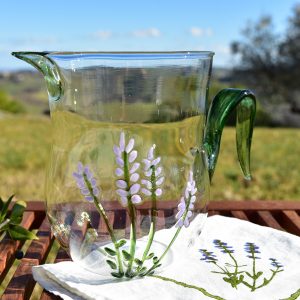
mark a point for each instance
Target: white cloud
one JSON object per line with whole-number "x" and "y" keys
{"x": 150, "y": 32}
{"x": 198, "y": 32}
{"x": 102, "y": 34}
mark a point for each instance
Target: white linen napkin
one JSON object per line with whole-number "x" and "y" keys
{"x": 195, "y": 273}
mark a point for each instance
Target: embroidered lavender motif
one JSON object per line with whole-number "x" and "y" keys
{"x": 232, "y": 272}
{"x": 233, "y": 275}
{"x": 254, "y": 275}
{"x": 208, "y": 256}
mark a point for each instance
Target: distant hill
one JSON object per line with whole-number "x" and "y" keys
{"x": 28, "y": 88}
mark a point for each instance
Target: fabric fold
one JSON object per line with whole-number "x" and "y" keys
{"x": 231, "y": 259}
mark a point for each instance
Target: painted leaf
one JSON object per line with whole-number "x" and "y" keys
{"x": 110, "y": 251}
{"x": 111, "y": 264}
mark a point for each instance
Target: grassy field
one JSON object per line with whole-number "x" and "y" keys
{"x": 25, "y": 142}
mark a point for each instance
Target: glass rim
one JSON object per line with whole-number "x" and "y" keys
{"x": 119, "y": 54}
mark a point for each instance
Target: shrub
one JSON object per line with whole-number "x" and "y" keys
{"x": 10, "y": 105}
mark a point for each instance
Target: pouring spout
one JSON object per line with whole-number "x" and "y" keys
{"x": 48, "y": 68}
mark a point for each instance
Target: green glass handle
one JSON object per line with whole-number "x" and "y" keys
{"x": 222, "y": 105}
{"x": 49, "y": 69}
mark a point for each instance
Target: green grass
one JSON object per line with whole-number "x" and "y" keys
{"x": 274, "y": 162}
{"x": 25, "y": 143}
{"x": 24, "y": 147}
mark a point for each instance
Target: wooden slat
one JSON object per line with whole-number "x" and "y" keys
{"x": 8, "y": 247}
{"x": 137, "y": 224}
{"x": 239, "y": 214}
{"x": 274, "y": 214}
{"x": 254, "y": 205}
{"x": 49, "y": 296}
{"x": 290, "y": 220}
{"x": 170, "y": 219}
{"x": 35, "y": 206}
{"x": 22, "y": 284}
{"x": 62, "y": 255}
{"x": 213, "y": 213}
{"x": 120, "y": 219}
{"x": 160, "y": 223}
{"x": 266, "y": 218}
{"x": 145, "y": 220}
{"x": 213, "y": 205}
{"x": 102, "y": 226}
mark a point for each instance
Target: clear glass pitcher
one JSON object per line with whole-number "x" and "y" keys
{"x": 134, "y": 149}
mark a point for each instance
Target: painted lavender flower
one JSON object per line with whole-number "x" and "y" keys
{"x": 126, "y": 171}
{"x": 186, "y": 204}
{"x": 86, "y": 182}
{"x": 153, "y": 173}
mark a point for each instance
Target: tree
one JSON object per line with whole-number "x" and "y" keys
{"x": 270, "y": 63}
{"x": 289, "y": 56}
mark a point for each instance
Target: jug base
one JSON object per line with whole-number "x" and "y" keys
{"x": 96, "y": 259}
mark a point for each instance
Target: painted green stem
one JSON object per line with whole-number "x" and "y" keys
{"x": 190, "y": 286}
{"x": 153, "y": 215}
{"x": 106, "y": 221}
{"x": 132, "y": 216}
{"x": 173, "y": 239}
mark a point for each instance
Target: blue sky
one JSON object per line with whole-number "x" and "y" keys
{"x": 131, "y": 25}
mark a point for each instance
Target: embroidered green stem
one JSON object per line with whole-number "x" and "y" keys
{"x": 132, "y": 216}
{"x": 232, "y": 277}
{"x": 267, "y": 281}
{"x": 106, "y": 221}
{"x": 224, "y": 271}
{"x": 190, "y": 286}
{"x": 293, "y": 296}
{"x": 157, "y": 263}
{"x": 254, "y": 273}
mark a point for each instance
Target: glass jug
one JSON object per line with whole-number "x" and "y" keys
{"x": 134, "y": 149}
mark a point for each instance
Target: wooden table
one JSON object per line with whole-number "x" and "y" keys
{"x": 16, "y": 276}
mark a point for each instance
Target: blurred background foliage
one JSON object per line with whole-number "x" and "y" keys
{"x": 266, "y": 62}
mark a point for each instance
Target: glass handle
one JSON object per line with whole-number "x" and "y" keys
{"x": 221, "y": 107}
{"x": 49, "y": 69}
